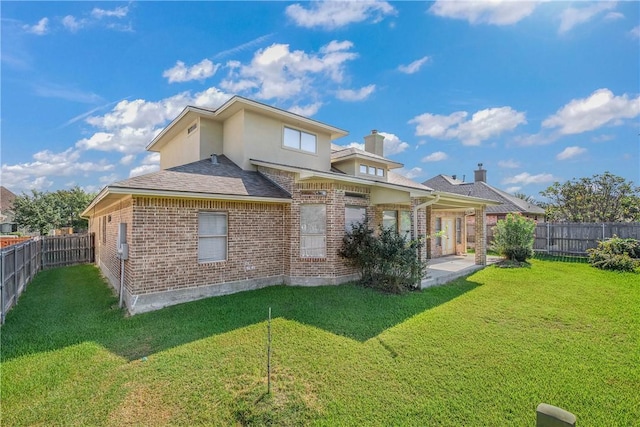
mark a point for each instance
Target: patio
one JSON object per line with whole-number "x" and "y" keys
{"x": 448, "y": 268}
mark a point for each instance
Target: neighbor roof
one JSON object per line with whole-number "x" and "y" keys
{"x": 509, "y": 203}
{"x": 6, "y": 198}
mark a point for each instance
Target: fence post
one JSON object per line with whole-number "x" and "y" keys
{"x": 15, "y": 275}
{"x": 603, "y": 232}
{"x": 2, "y": 288}
{"x": 548, "y": 246}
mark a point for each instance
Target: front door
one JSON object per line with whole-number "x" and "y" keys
{"x": 449, "y": 238}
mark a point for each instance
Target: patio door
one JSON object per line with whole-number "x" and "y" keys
{"x": 449, "y": 238}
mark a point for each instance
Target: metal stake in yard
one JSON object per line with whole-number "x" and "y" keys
{"x": 269, "y": 353}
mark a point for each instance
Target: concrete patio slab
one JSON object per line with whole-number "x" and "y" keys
{"x": 445, "y": 269}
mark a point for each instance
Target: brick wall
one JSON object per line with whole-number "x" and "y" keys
{"x": 164, "y": 244}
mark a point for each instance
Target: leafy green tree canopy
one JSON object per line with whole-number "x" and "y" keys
{"x": 44, "y": 211}
{"x": 601, "y": 198}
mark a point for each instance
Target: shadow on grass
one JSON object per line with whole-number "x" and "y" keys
{"x": 67, "y": 306}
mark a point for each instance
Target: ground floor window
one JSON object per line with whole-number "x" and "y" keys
{"x": 398, "y": 221}
{"x": 313, "y": 231}
{"x": 354, "y": 215}
{"x": 459, "y": 230}
{"x": 212, "y": 236}
{"x": 438, "y": 229}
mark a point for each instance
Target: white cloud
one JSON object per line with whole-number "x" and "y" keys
{"x": 72, "y": 24}
{"x": 131, "y": 125}
{"x": 277, "y": 72}
{"x": 128, "y": 159}
{"x": 47, "y": 164}
{"x": 570, "y": 152}
{"x": 357, "y": 94}
{"x": 603, "y": 138}
{"x": 151, "y": 159}
{"x": 411, "y": 173}
{"x": 635, "y": 32}
{"x": 50, "y": 90}
{"x": 200, "y": 71}
{"x": 526, "y": 178}
{"x": 150, "y": 163}
{"x": 600, "y": 108}
{"x": 508, "y": 164}
{"x": 613, "y": 16}
{"x": 143, "y": 169}
{"x": 118, "y": 12}
{"x": 513, "y": 189}
{"x": 306, "y": 110}
{"x": 40, "y": 29}
{"x": 392, "y": 144}
{"x": 414, "y": 67}
{"x": 437, "y": 156}
{"x": 484, "y": 124}
{"x": 572, "y": 16}
{"x": 335, "y": 14}
{"x": 496, "y": 12}
{"x": 242, "y": 47}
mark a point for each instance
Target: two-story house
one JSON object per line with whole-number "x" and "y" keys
{"x": 248, "y": 196}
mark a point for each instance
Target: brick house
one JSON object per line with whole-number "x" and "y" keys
{"x": 505, "y": 203}
{"x": 249, "y": 196}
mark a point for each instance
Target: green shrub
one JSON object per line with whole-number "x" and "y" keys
{"x": 513, "y": 237}
{"x": 616, "y": 254}
{"x": 386, "y": 262}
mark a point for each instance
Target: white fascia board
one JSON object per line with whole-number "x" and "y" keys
{"x": 469, "y": 199}
{"x": 193, "y": 195}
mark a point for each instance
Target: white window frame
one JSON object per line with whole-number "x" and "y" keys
{"x": 395, "y": 219}
{"x": 310, "y": 235}
{"x": 299, "y": 145}
{"x": 206, "y": 236}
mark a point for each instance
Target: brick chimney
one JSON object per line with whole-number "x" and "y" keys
{"x": 373, "y": 143}
{"x": 480, "y": 174}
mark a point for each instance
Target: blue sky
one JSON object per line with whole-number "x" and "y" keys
{"x": 536, "y": 91}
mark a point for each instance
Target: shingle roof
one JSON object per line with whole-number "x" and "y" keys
{"x": 483, "y": 190}
{"x": 339, "y": 152}
{"x": 224, "y": 178}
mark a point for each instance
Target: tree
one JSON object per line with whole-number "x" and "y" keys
{"x": 44, "y": 211}
{"x": 514, "y": 237}
{"x": 601, "y": 198}
{"x": 525, "y": 197}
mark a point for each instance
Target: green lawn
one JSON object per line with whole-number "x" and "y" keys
{"x": 483, "y": 351}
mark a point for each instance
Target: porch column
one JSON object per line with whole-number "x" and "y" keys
{"x": 421, "y": 227}
{"x": 431, "y": 229}
{"x": 481, "y": 235}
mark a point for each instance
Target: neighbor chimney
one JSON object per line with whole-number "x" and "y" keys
{"x": 373, "y": 143}
{"x": 480, "y": 174}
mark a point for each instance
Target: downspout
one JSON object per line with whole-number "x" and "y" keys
{"x": 415, "y": 213}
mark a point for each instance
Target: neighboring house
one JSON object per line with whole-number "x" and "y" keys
{"x": 7, "y": 214}
{"x": 479, "y": 188}
{"x": 249, "y": 196}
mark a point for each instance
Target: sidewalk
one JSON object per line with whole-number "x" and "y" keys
{"x": 445, "y": 269}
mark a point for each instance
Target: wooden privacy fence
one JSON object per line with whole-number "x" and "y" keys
{"x": 576, "y": 238}
{"x": 570, "y": 238}
{"x": 19, "y": 263}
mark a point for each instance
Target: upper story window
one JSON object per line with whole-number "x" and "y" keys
{"x": 299, "y": 140}
{"x": 371, "y": 170}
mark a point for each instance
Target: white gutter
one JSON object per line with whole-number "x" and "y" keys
{"x": 415, "y": 213}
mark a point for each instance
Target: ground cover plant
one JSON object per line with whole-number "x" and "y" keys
{"x": 484, "y": 350}
{"x": 616, "y": 254}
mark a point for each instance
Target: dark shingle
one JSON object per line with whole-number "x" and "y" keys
{"x": 204, "y": 177}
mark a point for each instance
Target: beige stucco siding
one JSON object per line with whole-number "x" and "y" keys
{"x": 182, "y": 149}
{"x": 210, "y": 138}
{"x": 264, "y": 140}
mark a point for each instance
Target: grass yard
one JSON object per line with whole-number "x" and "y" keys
{"x": 481, "y": 351}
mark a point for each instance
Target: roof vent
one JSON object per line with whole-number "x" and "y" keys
{"x": 214, "y": 159}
